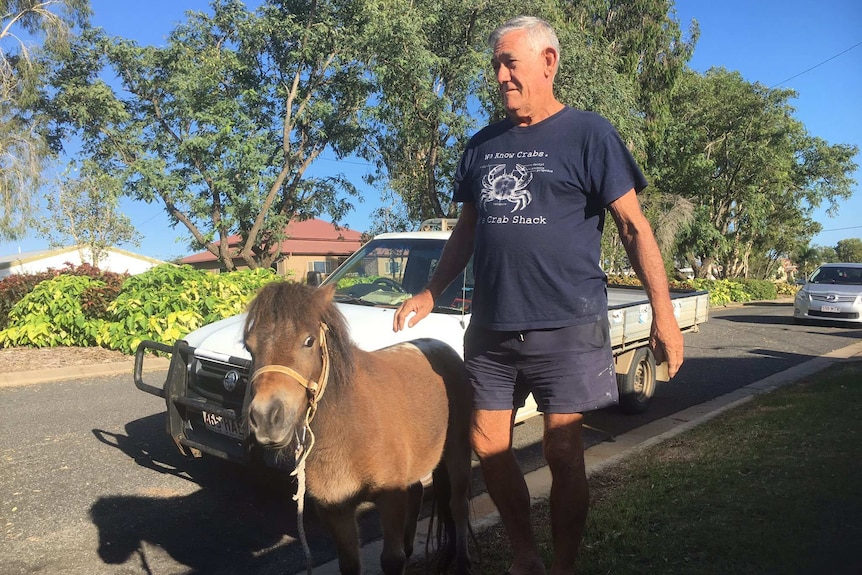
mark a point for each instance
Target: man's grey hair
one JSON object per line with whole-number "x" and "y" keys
{"x": 540, "y": 34}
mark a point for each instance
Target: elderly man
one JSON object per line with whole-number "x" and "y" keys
{"x": 534, "y": 189}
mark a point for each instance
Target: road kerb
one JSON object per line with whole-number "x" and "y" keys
{"x": 33, "y": 377}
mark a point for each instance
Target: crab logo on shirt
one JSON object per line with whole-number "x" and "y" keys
{"x": 501, "y": 186}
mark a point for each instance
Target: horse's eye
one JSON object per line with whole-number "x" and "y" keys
{"x": 309, "y": 341}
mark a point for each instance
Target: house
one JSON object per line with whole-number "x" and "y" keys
{"x": 309, "y": 246}
{"x": 113, "y": 260}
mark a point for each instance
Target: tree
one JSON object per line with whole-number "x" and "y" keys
{"x": 588, "y": 79}
{"x": 849, "y": 250}
{"x": 806, "y": 259}
{"x": 751, "y": 169}
{"x": 427, "y": 61}
{"x": 23, "y": 152}
{"x": 827, "y": 254}
{"x": 222, "y": 123}
{"x": 86, "y": 210}
{"x": 644, "y": 42}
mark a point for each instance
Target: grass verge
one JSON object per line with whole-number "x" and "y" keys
{"x": 774, "y": 486}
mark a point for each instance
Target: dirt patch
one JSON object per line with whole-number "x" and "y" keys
{"x": 28, "y": 359}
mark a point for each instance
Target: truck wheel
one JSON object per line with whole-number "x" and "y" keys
{"x": 638, "y": 385}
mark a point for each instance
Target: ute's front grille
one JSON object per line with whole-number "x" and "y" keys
{"x": 208, "y": 378}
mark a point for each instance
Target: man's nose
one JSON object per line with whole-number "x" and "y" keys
{"x": 503, "y": 75}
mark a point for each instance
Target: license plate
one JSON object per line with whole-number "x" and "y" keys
{"x": 222, "y": 425}
{"x": 830, "y": 309}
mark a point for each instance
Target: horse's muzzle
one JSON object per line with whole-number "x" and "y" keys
{"x": 272, "y": 420}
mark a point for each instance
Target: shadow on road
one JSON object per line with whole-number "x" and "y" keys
{"x": 851, "y": 330}
{"x": 239, "y": 521}
{"x": 781, "y": 303}
{"x": 759, "y": 319}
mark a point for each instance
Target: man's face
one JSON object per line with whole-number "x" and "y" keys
{"x": 522, "y": 75}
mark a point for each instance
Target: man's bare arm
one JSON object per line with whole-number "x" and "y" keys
{"x": 644, "y": 255}
{"x": 456, "y": 254}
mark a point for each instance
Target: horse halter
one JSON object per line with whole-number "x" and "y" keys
{"x": 315, "y": 388}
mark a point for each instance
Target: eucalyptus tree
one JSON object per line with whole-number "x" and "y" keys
{"x": 827, "y": 254}
{"x": 588, "y": 79}
{"x": 849, "y": 250}
{"x": 751, "y": 169}
{"x": 25, "y": 26}
{"x": 84, "y": 209}
{"x": 222, "y": 123}
{"x": 427, "y": 60}
{"x": 647, "y": 45}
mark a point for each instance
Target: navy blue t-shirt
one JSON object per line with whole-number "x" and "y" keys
{"x": 541, "y": 192}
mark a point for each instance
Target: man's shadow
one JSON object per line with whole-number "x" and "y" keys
{"x": 240, "y": 521}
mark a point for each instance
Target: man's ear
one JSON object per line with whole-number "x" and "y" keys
{"x": 552, "y": 60}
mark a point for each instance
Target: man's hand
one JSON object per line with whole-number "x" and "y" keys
{"x": 666, "y": 343}
{"x": 419, "y": 305}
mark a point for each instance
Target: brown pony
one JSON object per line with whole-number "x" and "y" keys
{"x": 379, "y": 421}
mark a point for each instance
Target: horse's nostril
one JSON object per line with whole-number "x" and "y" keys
{"x": 265, "y": 419}
{"x": 252, "y": 420}
{"x": 276, "y": 416}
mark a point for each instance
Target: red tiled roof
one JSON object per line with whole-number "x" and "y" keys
{"x": 309, "y": 237}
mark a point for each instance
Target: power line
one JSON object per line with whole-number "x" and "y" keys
{"x": 841, "y": 229}
{"x": 856, "y": 45}
{"x": 325, "y": 159}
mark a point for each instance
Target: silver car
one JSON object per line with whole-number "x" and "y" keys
{"x": 833, "y": 292}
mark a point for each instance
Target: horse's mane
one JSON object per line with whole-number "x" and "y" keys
{"x": 284, "y": 303}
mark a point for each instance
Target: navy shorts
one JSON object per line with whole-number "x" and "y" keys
{"x": 568, "y": 369}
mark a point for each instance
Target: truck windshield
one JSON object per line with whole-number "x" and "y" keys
{"x": 387, "y": 271}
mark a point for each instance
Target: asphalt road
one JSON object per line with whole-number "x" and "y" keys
{"x": 91, "y": 484}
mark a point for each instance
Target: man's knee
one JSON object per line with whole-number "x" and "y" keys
{"x": 563, "y": 444}
{"x": 491, "y": 433}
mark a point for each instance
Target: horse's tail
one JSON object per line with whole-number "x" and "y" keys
{"x": 444, "y": 533}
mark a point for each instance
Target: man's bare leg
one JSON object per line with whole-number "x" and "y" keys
{"x": 492, "y": 441}
{"x": 564, "y": 451}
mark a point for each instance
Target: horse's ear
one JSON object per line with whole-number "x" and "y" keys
{"x": 326, "y": 292}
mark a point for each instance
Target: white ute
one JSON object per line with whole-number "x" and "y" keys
{"x": 205, "y": 388}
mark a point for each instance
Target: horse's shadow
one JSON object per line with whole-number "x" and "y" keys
{"x": 238, "y": 522}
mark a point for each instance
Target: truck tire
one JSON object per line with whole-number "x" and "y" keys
{"x": 638, "y": 385}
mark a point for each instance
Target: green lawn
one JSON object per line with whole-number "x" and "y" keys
{"x": 774, "y": 486}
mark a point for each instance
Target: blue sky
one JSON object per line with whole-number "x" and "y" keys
{"x": 794, "y": 44}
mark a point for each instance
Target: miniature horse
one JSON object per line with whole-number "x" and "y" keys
{"x": 384, "y": 420}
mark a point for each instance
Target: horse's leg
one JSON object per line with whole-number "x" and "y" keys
{"x": 340, "y": 520}
{"x": 451, "y": 501}
{"x": 457, "y": 457}
{"x": 459, "y": 504}
{"x": 392, "y": 505}
{"x": 414, "y": 506}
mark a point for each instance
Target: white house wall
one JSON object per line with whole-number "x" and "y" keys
{"x": 114, "y": 261}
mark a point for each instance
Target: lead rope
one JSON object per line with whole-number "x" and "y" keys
{"x": 301, "y": 452}
{"x": 299, "y": 472}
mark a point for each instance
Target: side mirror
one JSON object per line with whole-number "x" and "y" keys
{"x": 800, "y": 282}
{"x": 313, "y": 279}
